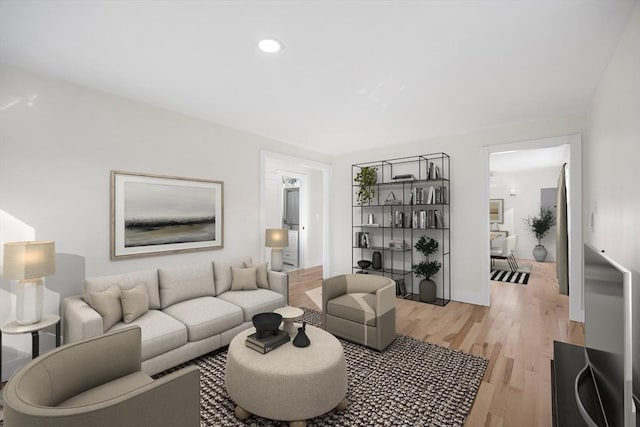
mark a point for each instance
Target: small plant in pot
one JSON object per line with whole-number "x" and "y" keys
{"x": 366, "y": 178}
{"x": 427, "y": 268}
{"x": 540, "y": 226}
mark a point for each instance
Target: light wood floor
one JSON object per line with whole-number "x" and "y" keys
{"x": 515, "y": 333}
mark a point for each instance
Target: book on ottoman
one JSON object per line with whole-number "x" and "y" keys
{"x": 266, "y": 344}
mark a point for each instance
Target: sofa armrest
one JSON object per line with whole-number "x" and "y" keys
{"x": 279, "y": 282}
{"x": 80, "y": 320}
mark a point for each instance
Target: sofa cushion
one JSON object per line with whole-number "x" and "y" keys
{"x": 243, "y": 279}
{"x": 126, "y": 281}
{"x": 110, "y": 390}
{"x": 358, "y": 307}
{"x": 222, "y": 273}
{"x": 254, "y": 302}
{"x": 206, "y": 316}
{"x": 261, "y": 274}
{"x": 185, "y": 282}
{"x": 160, "y": 333}
{"x": 135, "y": 302}
{"x": 107, "y": 304}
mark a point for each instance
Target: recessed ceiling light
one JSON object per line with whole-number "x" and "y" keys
{"x": 270, "y": 45}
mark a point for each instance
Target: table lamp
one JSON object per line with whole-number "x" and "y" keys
{"x": 28, "y": 263}
{"x": 276, "y": 239}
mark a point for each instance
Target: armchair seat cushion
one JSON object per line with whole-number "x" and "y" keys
{"x": 206, "y": 316}
{"x": 160, "y": 333}
{"x": 254, "y": 302}
{"x": 109, "y": 390}
{"x": 357, "y": 307}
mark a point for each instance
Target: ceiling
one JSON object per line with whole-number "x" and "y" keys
{"x": 352, "y": 74}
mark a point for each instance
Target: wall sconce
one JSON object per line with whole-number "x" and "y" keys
{"x": 28, "y": 263}
{"x": 512, "y": 192}
{"x": 276, "y": 239}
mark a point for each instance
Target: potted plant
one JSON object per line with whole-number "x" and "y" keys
{"x": 427, "y": 268}
{"x": 540, "y": 226}
{"x": 366, "y": 179}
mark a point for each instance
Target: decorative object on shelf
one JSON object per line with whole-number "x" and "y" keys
{"x": 362, "y": 239}
{"x": 540, "y": 226}
{"x": 156, "y": 214}
{"x": 366, "y": 179}
{"x": 404, "y": 177}
{"x": 496, "y": 211}
{"x": 392, "y": 200}
{"x": 266, "y": 324}
{"x": 364, "y": 263}
{"x": 371, "y": 219}
{"x": 400, "y": 287}
{"x": 28, "y": 263}
{"x": 427, "y": 246}
{"x": 376, "y": 258}
{"x": 397, "y": 219}
{"x": 276, "y": 239}
{"x": 302, "y": 340}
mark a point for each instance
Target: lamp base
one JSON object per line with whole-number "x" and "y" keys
{"x": 29, "y": 301}
{"x": 276, "y": 259}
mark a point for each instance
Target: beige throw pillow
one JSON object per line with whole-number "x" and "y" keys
{"x": 107, "y": 304}
{"x": 261, "y": 274}
{"x": 243, "y": 279}
{"x": 135, "y": 302}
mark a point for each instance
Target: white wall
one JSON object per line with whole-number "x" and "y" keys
{"x": 612, "y": 154}
{"x": 56, "y": 155}
{"x": 468, "y": 231}
{"x": 525, "y": 203}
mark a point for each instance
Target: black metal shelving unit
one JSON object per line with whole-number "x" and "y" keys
{"x": 396, "y": 223}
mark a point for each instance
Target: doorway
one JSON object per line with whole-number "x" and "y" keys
{"x": 295, "y": 196}
{"x": 511, "y": 217}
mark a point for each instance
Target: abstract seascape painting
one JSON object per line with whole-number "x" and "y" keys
{"x": 152, "y": 214}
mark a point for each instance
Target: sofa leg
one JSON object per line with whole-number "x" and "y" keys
{"x": 242, "y": 413}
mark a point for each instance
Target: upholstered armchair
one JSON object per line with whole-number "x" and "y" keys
{"x": 98, "y": 382}
{"x": 360, "y": 308}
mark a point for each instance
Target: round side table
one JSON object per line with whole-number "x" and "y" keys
{"x": 289, "y": 315}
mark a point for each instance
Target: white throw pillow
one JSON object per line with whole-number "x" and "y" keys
{"x": 107, "y": 304}
{"x": 243, "y": 279}
{"x": 135, "y": 302}
{"x": 261, "y": 274}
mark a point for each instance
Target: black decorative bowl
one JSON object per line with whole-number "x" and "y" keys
{"x": 266, "y": 324}
{"x": 364, "y": 263}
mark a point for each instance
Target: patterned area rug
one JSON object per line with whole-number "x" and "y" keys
{"x": 518, "y": 277}
{"x": 411, "y": 383}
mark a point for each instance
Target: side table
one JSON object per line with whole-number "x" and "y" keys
{"x": 13, "y": 328}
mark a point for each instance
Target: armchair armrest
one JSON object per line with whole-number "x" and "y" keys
{"x": 386, "y": 299}
{"x": 331, "y": 288}
{"x": 279, "y": 282}
{"x": 80, "y": 321}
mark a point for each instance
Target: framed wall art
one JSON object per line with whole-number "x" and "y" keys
{"x": 496, "y": 211}
{"x": 155, "y": 214}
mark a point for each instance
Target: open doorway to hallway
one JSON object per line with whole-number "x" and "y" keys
{"x": 522, "y": 178}
{"x": 294, "y": 196}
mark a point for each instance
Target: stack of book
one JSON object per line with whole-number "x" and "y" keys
{"x": 266, "y": 344}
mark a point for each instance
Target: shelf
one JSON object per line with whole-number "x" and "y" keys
{"x": 400, "y": 205}
{"x": 381, "y": 248}
{"x": 438, "y": 301}
{"x": 398, "y": 228}
{"x": 401, "y": 217}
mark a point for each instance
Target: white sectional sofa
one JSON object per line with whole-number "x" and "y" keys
{"x": 192, "y": 309}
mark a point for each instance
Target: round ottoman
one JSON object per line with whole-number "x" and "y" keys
{"x": 288, "y": 383}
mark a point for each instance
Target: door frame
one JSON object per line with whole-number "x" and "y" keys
{"x": 574, "y": 214}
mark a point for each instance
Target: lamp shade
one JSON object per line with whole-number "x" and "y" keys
{"x": 276, "y": 238}
{"x": 29, "y": 260}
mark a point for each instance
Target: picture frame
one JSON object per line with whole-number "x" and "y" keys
{"x": 496, "y": 211}
{"x": 159, "y": 214}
